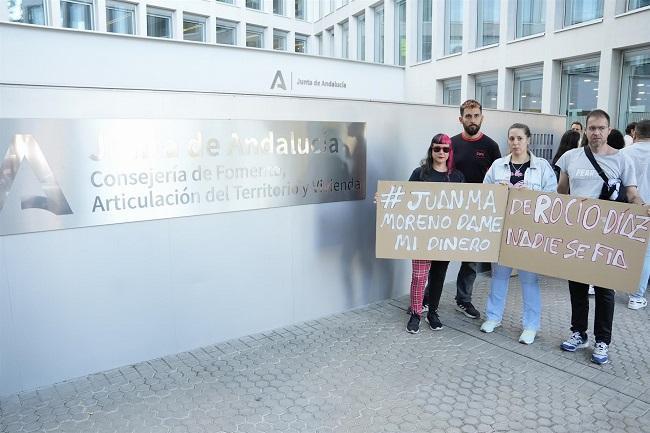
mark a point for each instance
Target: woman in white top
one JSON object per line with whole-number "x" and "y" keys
{"x": 519, "y": 169}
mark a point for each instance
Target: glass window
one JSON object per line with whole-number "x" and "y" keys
{"x": 254, "y": 36}
{"x": 453, "y": 26}
{"x": 300, "y": 45}
{"x": 301, "y": 9}
{"x": 361, "y": 37}
{"x": 77, "y": 15}
{"x": 579, "y": 89}
{"x": 279, "y": 40}
{"x": 486, "y": 90}
{"x": 379, "y": 34}
{"x": 635, "y": 87}
{"x": 230, "y": 2}
{"x": 120, "y": 17}
{"x": 487, "y": 23}
{"x": 451, "y": 91}
{"x": 528, "y": 89}
{"x": 159, "y": 23}
{"x": 226, "y": 32}
{"x": 636, "y": 4}
{"x": 345, "y": 39}
{"x": 27, "y": 11}
{"x": 194, "y": 28}
{"x": 254, "y": 4}
{"x": 400, "y": 32}
{"x": 332, "y": 5}
{"x": 424, "y": 30}
{"x": 278, "y": 7}
{"x": 530, "y": 17}
{"x": 579, "y": 11}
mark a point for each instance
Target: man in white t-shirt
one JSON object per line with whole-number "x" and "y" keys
{"x": 579, "y": 176}
{"x": 639, "y": 154}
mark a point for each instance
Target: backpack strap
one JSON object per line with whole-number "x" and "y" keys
{"x": 593, "y": 161}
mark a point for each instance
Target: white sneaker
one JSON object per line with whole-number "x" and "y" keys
{"x": 637, "y": 302}
{"x": 489, "y": 325}
{"x": 528, "y": 336}
{"x": 591, "y": 290}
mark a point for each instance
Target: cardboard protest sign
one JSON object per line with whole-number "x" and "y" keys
{"x": 440, "y": 221}
{"x": 591, "y": 241}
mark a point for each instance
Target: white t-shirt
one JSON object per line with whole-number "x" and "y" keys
{"x": 639, "y": 154}
{"x": 584, "y": 180}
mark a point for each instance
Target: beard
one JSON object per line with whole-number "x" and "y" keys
{"x": 472, "y": 129}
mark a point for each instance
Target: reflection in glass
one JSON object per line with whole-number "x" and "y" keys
{"x": 579, "y": 89}
{"x": 453, "y": 26}
{"x": 76, "y": 15}
{"x": 530, "y": 17}
{"x": 579, "y": 11}
{"x": 26, "y": 11}
{"x": 424, "y": 30}
{"x": 120, "y": 18}
{"x": 487, "y": 24}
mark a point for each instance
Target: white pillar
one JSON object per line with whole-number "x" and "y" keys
{"x": 291, "y": 42}
{"x": 141, "y": 19}
{"x": 241, "y": 34}
{"x": 505, "y": 83}
{"x": 177, "y": 19}
{"x": 467, "y": 87}
{"x": 609, "y": 83}
{"x": 55, "y": 13}
{"x": 100, "y": 16}
{"x": 551, "y": 86}
{"x": 211, "y": 29}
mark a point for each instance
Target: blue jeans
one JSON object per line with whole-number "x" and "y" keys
{"x": 645, "y": 274}
{"x": 496, "y": 302}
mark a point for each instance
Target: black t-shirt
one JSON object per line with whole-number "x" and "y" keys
{"x": 436, "y": 176}
{"x": 517, "y": 173}
{"x": 474, "y": 157}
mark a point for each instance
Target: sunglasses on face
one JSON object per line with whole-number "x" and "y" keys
{"x": 437, "y": 149}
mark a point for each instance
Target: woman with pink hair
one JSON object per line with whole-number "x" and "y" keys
{"x": 438, "y": 166}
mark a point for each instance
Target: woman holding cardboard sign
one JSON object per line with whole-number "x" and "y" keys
{"x": 519, "y": 169}
{"x": 438, "y": 166}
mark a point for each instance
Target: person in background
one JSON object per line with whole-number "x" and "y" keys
{"x": 640, "y": 156}
{"x": 519, "y": 169}
{"x": 577, "y": 126}
{"x": 474, "y": 154}
{"x": 438, "y": 166}
{"x": 630, "y": 132}
{"x": 570, "y": 140}
{"x": 615, "y": 139}
{"x": 578, "y": 175}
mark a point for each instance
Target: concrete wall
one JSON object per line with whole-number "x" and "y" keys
{"x": 78, "y": 301}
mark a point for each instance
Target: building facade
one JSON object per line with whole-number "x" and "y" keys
{"x": 550, "y": 56}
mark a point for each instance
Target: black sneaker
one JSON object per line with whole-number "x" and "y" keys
{"x": 434, "y": 321}
{"x": 414, "y": 324}
{"x": 468, "y": 309}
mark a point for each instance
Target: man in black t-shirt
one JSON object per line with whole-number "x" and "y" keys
{"x": 474, "y": 153}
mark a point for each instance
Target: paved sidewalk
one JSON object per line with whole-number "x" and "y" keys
{"x": 361, "y": 372}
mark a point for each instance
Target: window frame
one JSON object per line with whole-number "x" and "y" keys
{"x": 198, "y": 19}
{"x": 529, "y": 73}
{"x": 258, "y": 30}
{"x": 90, "y": 3}
{"x": 124, "y": 6}
{"x": 232, "y": 25}
{"x": 161, "y": 13}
